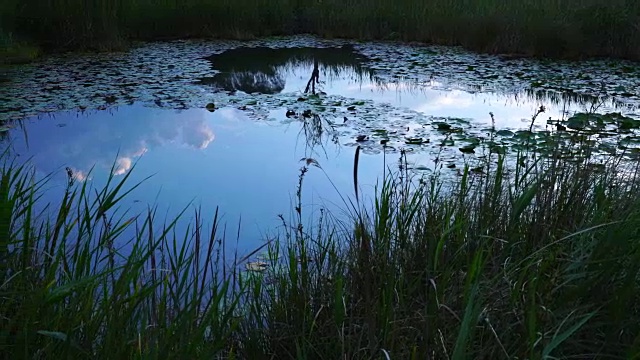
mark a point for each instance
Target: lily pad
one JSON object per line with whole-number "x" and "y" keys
{"x": 415, "y": 141}
{"x": 442, "y": 126}
{"x": 468, "y": 149}
{"x": 505, "y": 133}
{"x": 579, "y": 121}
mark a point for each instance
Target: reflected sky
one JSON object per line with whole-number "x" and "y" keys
{"x": 246, "y": 167}
{"x": 249, "y": 169}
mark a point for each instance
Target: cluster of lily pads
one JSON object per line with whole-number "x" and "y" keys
{"x": 616, "y": 80}
{"x": 378, "y": 127}
{"x": 164, "y": 74}
{"x": 168, "y": 75}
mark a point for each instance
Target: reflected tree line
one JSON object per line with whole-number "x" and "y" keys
{"x": 264, "y": 70}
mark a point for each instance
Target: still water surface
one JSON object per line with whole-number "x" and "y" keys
{"x": 243, "y": 152}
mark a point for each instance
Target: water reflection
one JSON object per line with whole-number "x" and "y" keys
{"x": 264, "y": 70}
{"x": 560, "y": 98}
{"x": 248, "y": 169}
{"x": 249, "y": 166}
{"x": 100, "y": 137}
{"x": 317, "y": 133}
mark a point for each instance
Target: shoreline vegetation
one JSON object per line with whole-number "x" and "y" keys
{"x": 532, "y": 259}
{"x": 541, "y": 28}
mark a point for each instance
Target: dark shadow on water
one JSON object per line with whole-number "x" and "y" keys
{"x": 263, "y": 70}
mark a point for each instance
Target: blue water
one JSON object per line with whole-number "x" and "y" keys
{"x": 247, "y": 168}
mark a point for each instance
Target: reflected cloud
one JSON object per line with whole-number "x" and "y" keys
{"x": 108, "y": 139}
{"x": 198, "y": 136}
{"x": 454, "y": 98}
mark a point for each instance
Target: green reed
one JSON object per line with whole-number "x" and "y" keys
{"x": 534, "y": 27}
{"x": 537, "y": 258}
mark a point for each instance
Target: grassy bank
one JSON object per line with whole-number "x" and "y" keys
{"x": 14, "y": 51}
{"x": 537, "y": 261}
{"x": 533, "y": 27}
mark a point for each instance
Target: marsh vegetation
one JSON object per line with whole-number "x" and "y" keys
{"x": 538, "y": 260}
{"x": 487, "y": 235}
{"x": 538, "y": 27}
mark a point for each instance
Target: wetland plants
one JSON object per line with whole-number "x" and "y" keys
{"x": 536, "y": 261}
{"x": 548, "y": 28}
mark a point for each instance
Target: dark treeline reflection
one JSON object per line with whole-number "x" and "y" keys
{"x": 263, "y": 70}
{"x": 568, "y": 98}
{"x": 555, "y": 97}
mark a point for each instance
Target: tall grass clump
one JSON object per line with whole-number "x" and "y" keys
{"x": 535, "y": 258}
{"x": 72, "y": 284}
{"x": 537, "y": 261}
{"x": 535, "y": 27}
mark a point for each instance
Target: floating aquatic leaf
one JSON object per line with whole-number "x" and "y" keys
{"x": 498, "y": 149}
{"x": 505, "y": 133}
{"x": 625, "y": 122}
{"x": 468, "y": 149}
{"x": 460, "y": 121}
{"x": 415, "y": 141}
{"x": 524, "y": 135}
{"x": 473, "y": 141}
{"x": 442, "y": 126}
{"x": 577, "y": 122}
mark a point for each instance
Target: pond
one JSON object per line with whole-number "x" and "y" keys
{"x": 230, "y": 124}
